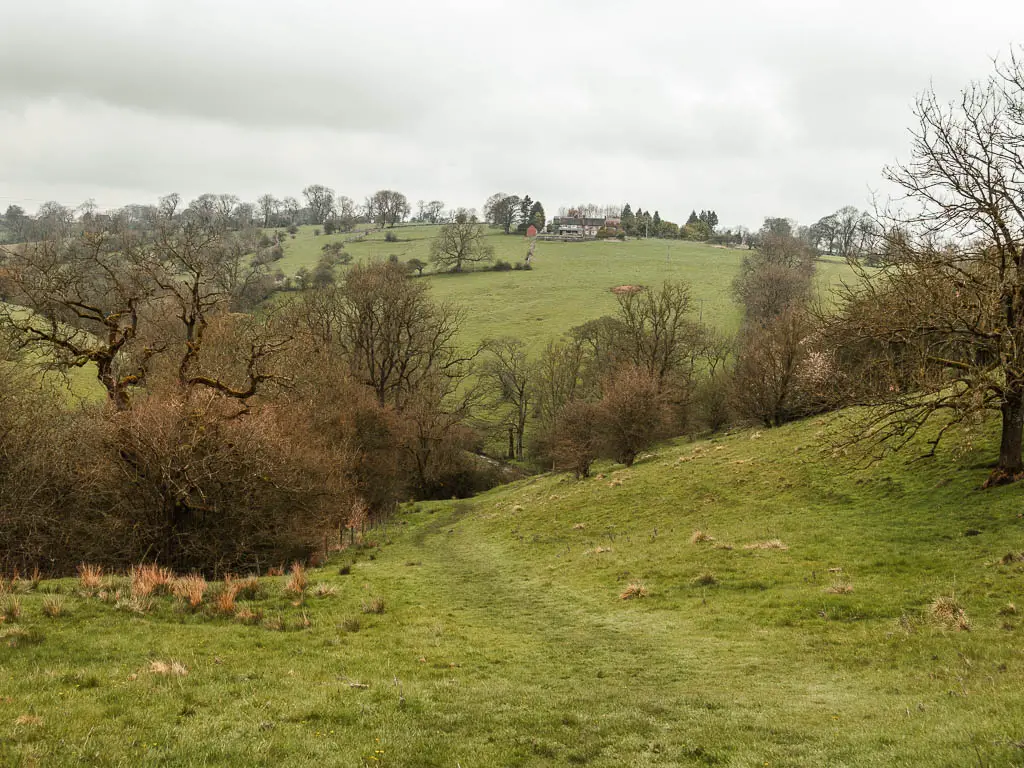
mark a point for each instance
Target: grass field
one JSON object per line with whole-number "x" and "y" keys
{"x": 504, "y": 641}
{"x": 569, "y": 284}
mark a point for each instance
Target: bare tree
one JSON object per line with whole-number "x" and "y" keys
{"x": 387, "y": 207}
{"x": 394, "y": 338}
{"x": 79, "y": 303}
{"x": 463, "y": 241}
{"x": 508, "y": 377}
{"x": 268, "y": 207}
{"x": 941, "y": 329}
{"x": 321, "y": 202}
{"x": 291, "y": 209}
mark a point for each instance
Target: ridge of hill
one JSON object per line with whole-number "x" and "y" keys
{"x": 798, "y": 629}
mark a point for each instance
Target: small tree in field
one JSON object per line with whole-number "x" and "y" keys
{"x": 631, "y": 415}
{"x": 576, "y": 438}
{"x": 463, "y": 241}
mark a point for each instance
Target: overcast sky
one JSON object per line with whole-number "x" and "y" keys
{"x": 750, "y": 108}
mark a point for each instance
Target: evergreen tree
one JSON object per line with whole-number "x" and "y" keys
{"x": 693, "y": 218}
{"x": 628, "y": 220}
{"x": 656, "y": 221}
{"x": 537, "y": 217}
{"x": 525, "y": 206}
{"x": 710, "y": 218}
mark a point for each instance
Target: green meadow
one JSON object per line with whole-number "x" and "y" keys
{"x": 788, "y": 617}
{"x": 570, "y": 283}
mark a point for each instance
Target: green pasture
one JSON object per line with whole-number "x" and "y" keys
{"x": 570, "y": 283}
{"x": 797, "y": 633}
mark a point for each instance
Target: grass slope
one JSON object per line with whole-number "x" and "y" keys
{"x": 570, "y": 284}
{"x": 505, "y": 643}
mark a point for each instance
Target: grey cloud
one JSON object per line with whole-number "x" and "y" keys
{"x": 788, "y": 108}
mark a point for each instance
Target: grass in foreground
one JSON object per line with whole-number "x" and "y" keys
{"x": 779, "y": 613}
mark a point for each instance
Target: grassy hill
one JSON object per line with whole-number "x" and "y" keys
{"x": 570, "y": 283}
{"x": 796, "y": 631}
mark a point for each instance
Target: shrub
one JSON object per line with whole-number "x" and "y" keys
{"x": 330, "y": 227}
{"x": 576, "y": 438}
{"x": 203, "y": 491}
{"x": 316, "y": 233}
{"x": 391, "y": 237}
{"x": 501, "y": 266}
{"x": 631, "y": 415}
{"x": 293, "y": 230}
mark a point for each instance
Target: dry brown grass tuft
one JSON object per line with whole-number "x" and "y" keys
{"x": 90, "y": 577}
{"x": 374, "y": 605}
{"x": 135, "y": 604}
{"x": 322, "y": 589}
{"x": 247, "y": 615}
{"x": 706, "y": 579}
{"x": 598, "y": 551}
{"x": 725, "y": 547}
{"x": 53, "y": 606}
{"x": 1011, "y": 557}
{"x": 150, "y": 580}
{"x": 224, "y": 601}
{"x": 947, "y": 611}
{"x": 1008, "y": 610}
{"x": 579, "y": 526}
{"x": 168, "y": 668}
{"x": 190, "y": 589}
{"x": 839, "y": 588}
{"x": 701, "y": 537}
{"x": 350, "y": 624}
{"x": 249, "y": 588}
{"x": 635, "y": 589}
{"x": 10, "y": 609}
{"x": 770, "y": 544}
{"x": 28, "y": 720}
{"x": 277, "y": 570}
{"x": 297, "y": 581}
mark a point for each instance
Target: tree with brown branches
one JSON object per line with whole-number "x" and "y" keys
{"x": 938, "y": 332}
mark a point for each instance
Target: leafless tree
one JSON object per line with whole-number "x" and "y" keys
{"x": 78, "y": 302}
{"x": 268, "y": 207}
{"x": 463, "y": 241}
{"x": 387, "y": 207}
{"x": 944, "y": 322}
{"x": 321, "y": 202}
{"x": 508, "y": 377}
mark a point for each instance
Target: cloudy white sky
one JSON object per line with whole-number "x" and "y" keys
{"x": 750, "y": 108}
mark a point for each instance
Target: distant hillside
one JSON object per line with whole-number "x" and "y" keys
{"x": 570, "y": 283}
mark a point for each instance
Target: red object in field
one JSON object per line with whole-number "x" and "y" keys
{"x": 531, "y": 231}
